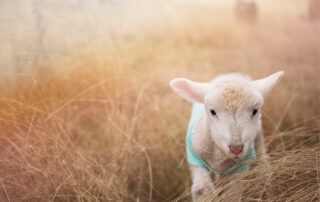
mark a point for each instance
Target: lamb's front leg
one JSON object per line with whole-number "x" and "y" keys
{"x": 201, "y": 183}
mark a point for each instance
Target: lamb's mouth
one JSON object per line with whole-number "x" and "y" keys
{"x": 237, "y": 157}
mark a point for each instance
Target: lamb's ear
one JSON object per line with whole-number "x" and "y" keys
{"x": 190, "y": 90}
{"x": 266, "y": 84}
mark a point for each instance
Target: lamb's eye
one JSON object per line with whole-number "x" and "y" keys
{"x": 213, "y": 113}
{"x": 254, "y": 112}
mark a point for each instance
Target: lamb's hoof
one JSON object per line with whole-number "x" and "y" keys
{"x": 200, "y": 190}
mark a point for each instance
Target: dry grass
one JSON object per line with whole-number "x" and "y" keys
{"x": 93, "y": 119}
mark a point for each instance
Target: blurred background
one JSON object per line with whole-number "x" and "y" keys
{"x": 39, "y": 32}
{"x": 86, "y": 112}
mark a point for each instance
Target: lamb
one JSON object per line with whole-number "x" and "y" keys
{"x": 225, "y": 129}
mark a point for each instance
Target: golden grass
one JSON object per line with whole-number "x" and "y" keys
{"x": 95, "y": 119}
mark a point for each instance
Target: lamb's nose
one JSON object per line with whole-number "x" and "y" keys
{"x": 236, "y": 148}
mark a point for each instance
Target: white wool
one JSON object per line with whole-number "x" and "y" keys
{"x": 234, "y": 98}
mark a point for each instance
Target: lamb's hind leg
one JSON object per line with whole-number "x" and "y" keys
{"x": 202, "y": 183}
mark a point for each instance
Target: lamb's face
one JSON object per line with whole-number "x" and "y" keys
{"x": 233, "y": 118}
{"x": 233, "y": 104}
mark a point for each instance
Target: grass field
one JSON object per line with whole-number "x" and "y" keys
{"x": 86, "y": 112}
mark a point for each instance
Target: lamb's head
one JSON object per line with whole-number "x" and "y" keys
{"x": 233, "y": 108}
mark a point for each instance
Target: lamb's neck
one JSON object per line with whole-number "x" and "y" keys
{"x": 207, "y": 149}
